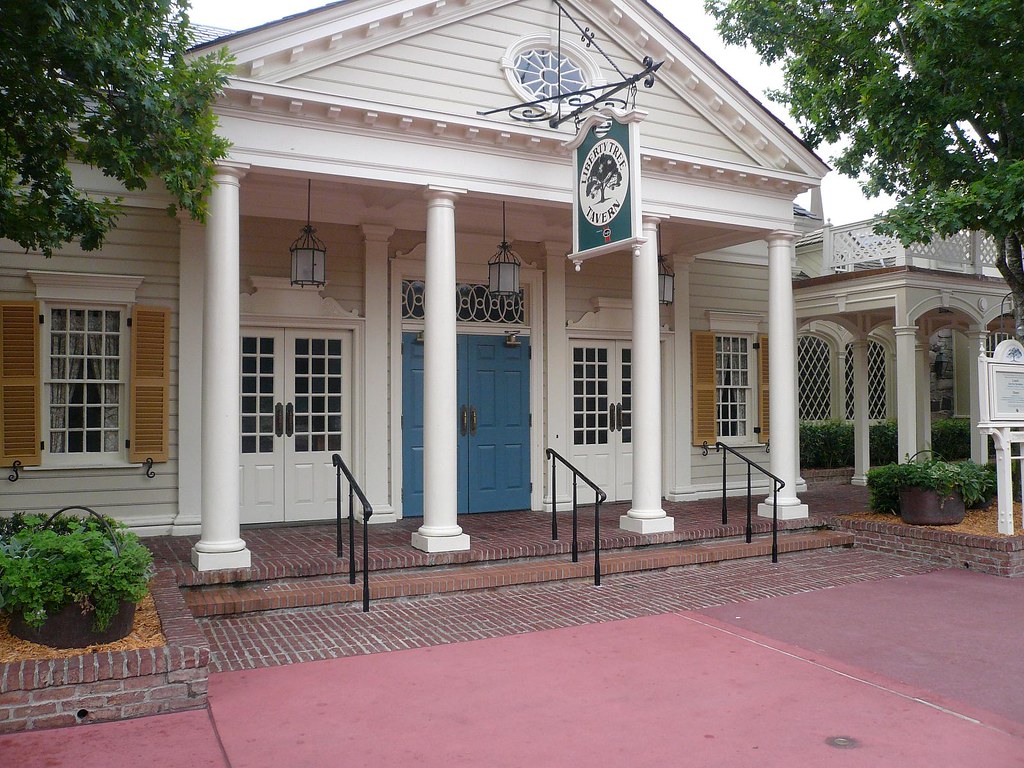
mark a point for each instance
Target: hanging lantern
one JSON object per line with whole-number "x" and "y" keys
{"x": 666, "y": 282}
{"x": 503, "y": 267}
{"x": 309, "y": 255}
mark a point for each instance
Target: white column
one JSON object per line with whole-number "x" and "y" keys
{"x": 975, "y": 345}
{"x": 861, "y": 431}
{"x": 646, "y": 514}
{"x": 440, "y": 531}
{"x": 191, "y": 260}
{"x": 782, "y": 396}
{"x": 556, "y": 342}
{"x": 220, "y": 545}
{"x": 682, "y": 482}
{"x": 376, "y": 371}
{"x": 906, "y": 390}
{"x": 924, "y": 394}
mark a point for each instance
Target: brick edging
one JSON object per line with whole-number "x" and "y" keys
{"x": 112, "y": 685}
{"x": 997, "y": 556}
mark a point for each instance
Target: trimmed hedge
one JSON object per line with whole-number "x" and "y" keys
{"x": 951, "y": 439}
{"x": 829, "y": 444}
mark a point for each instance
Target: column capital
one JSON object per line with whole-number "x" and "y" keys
{"x": 557, "y": 248}
{"x": 857, "y": 343}
{"x": 435, "y": 193}
{"x": 781, "y": 237}
{"x": 654, "y": 217}
{"x": 376, "y": 233}
{"x": 229, "y": 169}
{"x": 905, "y": 330}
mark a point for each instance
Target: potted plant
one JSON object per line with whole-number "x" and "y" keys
{"x": 69, "y": 582}
{"x": 932, "y": 492}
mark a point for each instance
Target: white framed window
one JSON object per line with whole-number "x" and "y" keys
{"x": 85, "y": 373}
{"x": 534, "y": 66}
{"x": 733, "y": 396}
{"x": 729, "y": 380}
{"x": 84, "y": 378}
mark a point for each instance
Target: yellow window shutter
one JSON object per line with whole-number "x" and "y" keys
{"x": 705, "y": 423}
{"x": 150, "y": 384}
{"x": 763, "y": 414}
{"x": 19, "y": 383}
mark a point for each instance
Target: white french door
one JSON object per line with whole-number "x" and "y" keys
{"x": 602, "y": 408}
{"x": 296, "y": 411}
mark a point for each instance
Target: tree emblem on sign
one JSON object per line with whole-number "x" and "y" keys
{"x": 604, "y": 176}
{"x": 603, "y": 182}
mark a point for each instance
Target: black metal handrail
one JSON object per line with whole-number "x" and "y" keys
{"x": 354, "y": 490}
{"x": 777, "y": 484}
{"x": 599, "y": 499}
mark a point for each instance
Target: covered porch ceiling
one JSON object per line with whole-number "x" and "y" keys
{"x": 336, "y": 200}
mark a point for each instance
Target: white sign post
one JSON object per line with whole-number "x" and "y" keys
{"x": 1001, "y": 389}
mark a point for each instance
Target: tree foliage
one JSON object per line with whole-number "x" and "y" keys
{"x": 927, "y": 96}
{"x": 105, "y": 83}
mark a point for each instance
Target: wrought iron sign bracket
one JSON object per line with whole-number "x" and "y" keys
{"x": 581, "y": 100}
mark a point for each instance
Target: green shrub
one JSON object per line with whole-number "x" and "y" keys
{"x": 951, "y": 438}
{"x": 826, "y": 444}
{"x": 884, "y": 443}
{"x": 974, "y": 482}
{"x": 91, "y": 562}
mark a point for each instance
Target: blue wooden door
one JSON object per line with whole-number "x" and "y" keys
{"x": 412, "y": 426}
{"x": 494, "y": 425}
{"x": 494, "y": 465}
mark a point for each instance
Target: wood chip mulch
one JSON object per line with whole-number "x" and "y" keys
{"x": 978, "y": 522}
{"x": 146, "y": 633}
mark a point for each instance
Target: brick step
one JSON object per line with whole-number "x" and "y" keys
{"x": 220, "y": 600}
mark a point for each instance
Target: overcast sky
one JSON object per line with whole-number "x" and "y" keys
{"x": 843, "y": 201}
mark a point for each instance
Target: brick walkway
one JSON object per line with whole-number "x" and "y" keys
{"x": 284, "y": 637}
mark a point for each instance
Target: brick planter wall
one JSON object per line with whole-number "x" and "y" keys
{"x": 93, "y": 687}
{"x": 998, "y": 556}
{"x": 815, "y": 478}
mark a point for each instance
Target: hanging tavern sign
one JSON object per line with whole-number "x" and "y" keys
{"x": 606, "y": 183}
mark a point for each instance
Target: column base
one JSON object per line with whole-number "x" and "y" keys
{"x": 664, "y": 524}
{"x": 790, "y": 512}
{"x": 459, "y": 543}
{"x": 219, "y": 561}
{"x": 859, "y": 480}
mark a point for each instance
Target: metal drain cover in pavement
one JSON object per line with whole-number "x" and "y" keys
{"x": 842, "y": 742}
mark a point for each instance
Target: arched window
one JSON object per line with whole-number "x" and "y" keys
{"x": 814, "y": 385}
{"x": 876, "y": 381}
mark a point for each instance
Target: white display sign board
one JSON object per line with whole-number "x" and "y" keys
{"x": 1001, "y": 390}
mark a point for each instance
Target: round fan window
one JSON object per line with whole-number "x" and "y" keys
{"x": 537, "y": 71}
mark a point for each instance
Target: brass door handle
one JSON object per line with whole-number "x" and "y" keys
{"x": 463, "y": 421}
{"x": 472, "y": 420}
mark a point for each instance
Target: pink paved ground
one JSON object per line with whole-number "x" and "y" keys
{"x": 953, "y": 633}
{"x": 677, "y": 689}
{"x": 180, "y": 740}
{"x": 663, "y": 690}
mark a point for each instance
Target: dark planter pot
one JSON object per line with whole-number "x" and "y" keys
{"x": 923, "y": 506}
{"x": 70, "y": 628}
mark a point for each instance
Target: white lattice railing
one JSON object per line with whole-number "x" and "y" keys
{"x": 855, "y": 247}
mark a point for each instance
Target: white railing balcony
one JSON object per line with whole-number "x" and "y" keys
{"x": 855, "y": 247}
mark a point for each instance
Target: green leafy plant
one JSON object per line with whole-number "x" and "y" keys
{"x": 973, "y": 482}
{"x": 92, "y": 562}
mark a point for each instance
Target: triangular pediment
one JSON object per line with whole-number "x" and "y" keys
{"x": 443, "y": 58}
